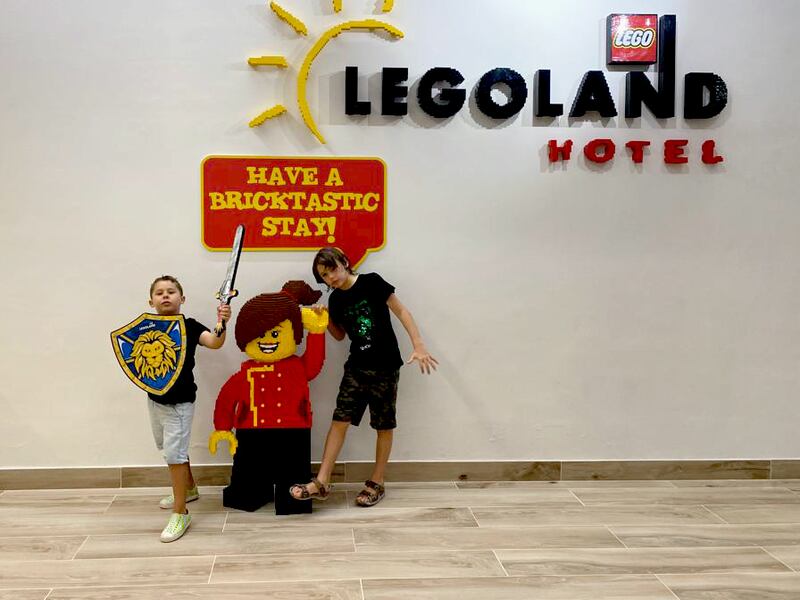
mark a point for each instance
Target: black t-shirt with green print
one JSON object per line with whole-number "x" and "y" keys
{"x": 362, "y": 312}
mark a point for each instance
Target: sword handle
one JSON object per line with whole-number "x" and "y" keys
{"x": 219, "y": 328}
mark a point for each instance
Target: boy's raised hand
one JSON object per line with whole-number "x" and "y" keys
{"x": 425, "y": 360}
{"x": 223, "y": 313}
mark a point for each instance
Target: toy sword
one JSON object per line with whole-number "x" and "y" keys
{"x": 226, "y": 291}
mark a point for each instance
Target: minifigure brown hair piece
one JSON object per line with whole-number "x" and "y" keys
{"x": 265, "y": 311}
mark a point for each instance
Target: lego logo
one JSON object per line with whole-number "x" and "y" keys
{"x": 634, "y": 38}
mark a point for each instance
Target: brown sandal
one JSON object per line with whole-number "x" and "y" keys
{"x": 322, "y": 493}
{"x": 371, "y": 494}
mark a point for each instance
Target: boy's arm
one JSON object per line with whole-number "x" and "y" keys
{"x": 210, "y": 340}
{"x": 336, "y": 331}
{"x": 420, "y": 353}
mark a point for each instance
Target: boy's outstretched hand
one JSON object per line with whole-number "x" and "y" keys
{"x": 425, "y": 360}
{"x": 223, "y": 313}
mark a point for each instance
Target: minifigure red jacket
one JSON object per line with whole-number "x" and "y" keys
{"x": 263, "y": 395}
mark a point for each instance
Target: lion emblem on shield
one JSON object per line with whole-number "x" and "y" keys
{"x": 154, "y": 354}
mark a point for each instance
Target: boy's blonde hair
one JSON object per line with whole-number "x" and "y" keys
{"x": 169, "y": 278}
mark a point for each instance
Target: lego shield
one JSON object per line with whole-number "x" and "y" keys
{"x": 151, "y": 350}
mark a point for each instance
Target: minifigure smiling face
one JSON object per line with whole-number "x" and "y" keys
{"x": 276, "y": 344}
{"x": 270, "y": 326}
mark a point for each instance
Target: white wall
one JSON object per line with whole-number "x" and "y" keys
{"x": 578, "y": 312}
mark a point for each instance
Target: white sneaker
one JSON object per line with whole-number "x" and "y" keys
{"x": 177, "y": 526}
{"x": 169, "y": 501}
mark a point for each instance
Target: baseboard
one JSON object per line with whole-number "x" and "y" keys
{"x": 113, "y": 477}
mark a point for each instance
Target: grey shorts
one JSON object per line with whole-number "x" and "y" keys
{"x": 361, "y": 388}
{"x": 172, "y": 428}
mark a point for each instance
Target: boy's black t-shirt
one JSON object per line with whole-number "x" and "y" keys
{"x": 184, "y": 389}
{"x": 364, "y": 315}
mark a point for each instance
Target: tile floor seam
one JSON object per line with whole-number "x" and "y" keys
{"x": 624, "y": 545}
{"x": 211, "y": 570}
{"x": 500, "y": 562}
{"x": 110, "y": 504}
{"x": 371, "y": 554}
{"x": 83, "y": 543}
{"x": 48, "y": 593}
{"x": 361, "y": 586}
{"x": 577, "y": 498}
{"x": 669, "y": 589}
{"x": 334, "y": 579}
{"x": 703, "y": 506}
{"x": 778, "y": 559}
{"x": 726, "y": 572}
{"x": 353, "y": 535}
{"x": 225, "y": 521}
{"x": 474, "y": 518}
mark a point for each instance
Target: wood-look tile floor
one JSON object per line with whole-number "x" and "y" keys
{"x": 631, "y": 540}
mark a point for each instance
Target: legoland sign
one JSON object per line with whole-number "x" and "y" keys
{"x": 631, "y": 40}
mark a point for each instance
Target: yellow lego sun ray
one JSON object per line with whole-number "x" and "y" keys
{"x": 337, "y": 5}
{"x": 268, "y": 61}
{"x": 302, "y": 78}
{"x": 388, "y": 5}
{"x": 270, "y": 113}
{"x": 293, "y": 21}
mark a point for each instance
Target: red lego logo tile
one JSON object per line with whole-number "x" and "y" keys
{"x": 631, "y": 39}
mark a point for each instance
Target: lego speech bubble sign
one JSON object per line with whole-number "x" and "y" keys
{"x": 295, "y": 203}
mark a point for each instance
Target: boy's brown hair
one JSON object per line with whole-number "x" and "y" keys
{"x": 169, "y": 278}
{"x": 330, "y": 257}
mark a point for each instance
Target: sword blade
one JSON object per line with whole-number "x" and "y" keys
{"x": 233, "y": 264}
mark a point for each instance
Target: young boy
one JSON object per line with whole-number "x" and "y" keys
{"x": 171, "y": 413}
{"x": 359, "y": 307}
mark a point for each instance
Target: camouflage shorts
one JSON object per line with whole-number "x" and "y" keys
{"x": 361, "y": 388}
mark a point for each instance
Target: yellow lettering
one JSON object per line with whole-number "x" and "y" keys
{"x": 366, "y": 201}
{"x": 346, "y": 198}
{"x": 256, "y": 175}
{"x": 313, "y": 203}
{"x": 232, "y": 199}
{"x": 217, "y": 200}
{"x": 293, "y": 173}
{"x": 275, "y": 178}
{"x": 285, "y": 222}
{"x": 269, "y": 227}
{"x": 279, "y": 202}
{"x": 329, "y": 198}
{"x": 302, "y": 229}
{"x": 310, "y": 176}
{"x": 333, "y": 178}
{"x": 260, "y": 201}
